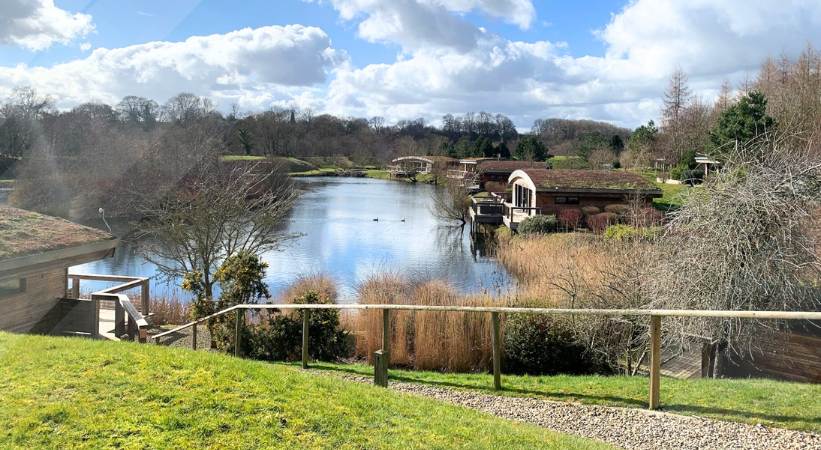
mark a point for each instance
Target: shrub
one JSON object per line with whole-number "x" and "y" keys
{"x": 694, "y": 176}
{"x": 601, "y": 221}
{"x": 540, "y": 344}
{"x": 648, "y": 217}
{"x": 570, "y": 218}
{"x": 621, "y": 232}
{"x": 538, "y": 225}
{"x": 590, "y": 210}
{"x": 280, "y": 336}
{"x": 617, "y": 208}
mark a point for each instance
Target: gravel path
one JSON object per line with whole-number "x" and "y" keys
{"x": 630, "y": 428}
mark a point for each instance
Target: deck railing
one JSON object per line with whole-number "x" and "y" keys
{"x": 128, "y": 319}
{"x": 383, "y": 356}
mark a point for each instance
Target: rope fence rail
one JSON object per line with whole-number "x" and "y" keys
{"x": 382, "y": 356}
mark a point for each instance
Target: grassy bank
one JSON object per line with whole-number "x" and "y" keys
{"x": 773, "y": 403}
{"x": 79, "y": 393}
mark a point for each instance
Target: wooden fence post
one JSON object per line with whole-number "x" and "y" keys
{"x": 306, "y": 314}
{"x": 145, "y": 298}
{"x": 496, "y": 343}
{"x": 236, "y": 332}
{"x": 194, "y": 336}
{"x": 75, "y": 288}
{"x": 386, "y": 335}
{"x": 655, "y": 360}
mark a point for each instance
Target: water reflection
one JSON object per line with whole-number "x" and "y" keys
{"x": 351, "y": 228}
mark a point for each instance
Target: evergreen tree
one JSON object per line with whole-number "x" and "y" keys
{"x": 530, "y": 148}
{"x": 741, "y": 122}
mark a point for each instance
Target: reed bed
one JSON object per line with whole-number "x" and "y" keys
{"x": 169, "y": 310}
{"x": 421, "y": 339}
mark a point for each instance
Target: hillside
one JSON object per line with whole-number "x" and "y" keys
{"x": 69, "y": 392}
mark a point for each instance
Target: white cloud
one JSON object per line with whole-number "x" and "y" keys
{"x": 38, "y": 24}
{"x": 253, "y": 67}
{"x": 415, "y": 24}
{"x": 711, "y": 40}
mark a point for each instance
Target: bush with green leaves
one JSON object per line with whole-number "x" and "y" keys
{"x": 539, "y": 344}
{"x": 279, "y": 337}
{"x": 540, "y": 224}
{"x": 620, "y": 232}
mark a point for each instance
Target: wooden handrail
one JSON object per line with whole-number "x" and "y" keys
{"x": 383, "y": 355}
{"x": 134, "y": 316}
{"x": 767, "y": 315}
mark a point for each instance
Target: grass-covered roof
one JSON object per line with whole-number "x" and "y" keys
{"x": 26, "y": 232}
{"x": 589, "y": 180}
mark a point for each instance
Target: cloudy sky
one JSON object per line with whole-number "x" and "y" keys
{"x": 401, "y": 59}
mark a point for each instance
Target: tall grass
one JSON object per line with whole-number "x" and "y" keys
{"x": 422, "y": 339}
{"x": 170, "y": 310}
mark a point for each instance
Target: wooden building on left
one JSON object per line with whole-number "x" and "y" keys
{"x": 37, "y": 293}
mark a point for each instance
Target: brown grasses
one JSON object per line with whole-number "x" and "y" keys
{"x": 425, "y": 340}
{"x": 556, "y": 269}
{"x": 169, "y": 310}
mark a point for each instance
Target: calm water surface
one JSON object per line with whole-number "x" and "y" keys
{"x": 339, "y": 237}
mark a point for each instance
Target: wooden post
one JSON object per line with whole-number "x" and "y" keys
{"x": 380, "y": 369}
{"x": 306, "y": 314}
{"x": 75, "y": 288}
{"x": 119, "y": 318}
{"x": 194, "y": 336}
{"x": 496, "y": 343}
{"x": 145, "y": 298}
{"x": 386, "y": 335}
{"x": 236, "y": 333}
{"x": 655, "y": 360}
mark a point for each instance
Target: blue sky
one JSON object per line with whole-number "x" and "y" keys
{"x": 603, "y": 60}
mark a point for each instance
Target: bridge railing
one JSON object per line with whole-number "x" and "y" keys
{"x": 383, "y": 356}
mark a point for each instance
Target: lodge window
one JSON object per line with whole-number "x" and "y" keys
{"x": 567, "y": 200}
{"x": 523, "y": 196}
{"x": 12, "y": 286}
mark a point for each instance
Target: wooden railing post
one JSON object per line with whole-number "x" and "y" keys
{"x": 119, "y": 317}
{"x": 145, "y": 297}
{"x": 386, "y": 335}
{"x": 306, "y": 314}
{"x": 655, "y": 360}
{"x": 236, "y": 332}
{"x": 496, "y": 343}
{"x": 75, "y": 288}
{"x": 194, "y": 337}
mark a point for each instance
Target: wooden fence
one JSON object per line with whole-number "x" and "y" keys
{"x": 127, "y": 318}
{"x": 382, "y": 358}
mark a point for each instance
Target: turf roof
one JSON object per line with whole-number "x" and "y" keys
{"x": 25, "y": 233}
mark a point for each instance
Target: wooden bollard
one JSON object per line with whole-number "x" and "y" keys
{"x": 496, "y": 343}
{"x": 306, "y": 314}
{"x": 380, "y": 368}
{"x": 655, "y": 361}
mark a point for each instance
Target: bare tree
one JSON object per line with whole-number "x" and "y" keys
{"x": 742, "y": 242}
{"x": 216, "y": 211}
{"x": 451, "y": 202}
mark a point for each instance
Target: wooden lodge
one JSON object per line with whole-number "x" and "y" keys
{"x": 37, "y": 293}
{"x": 542, "y": 191}
{"x": 490, "y": 174}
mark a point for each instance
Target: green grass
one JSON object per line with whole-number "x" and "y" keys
{"x": 378, "y": 174}
{"x": 773, "y": 403}
{"x": 323, "y": 172}
{"x": 672, "y": 194}
{"x": 79, "y": 393}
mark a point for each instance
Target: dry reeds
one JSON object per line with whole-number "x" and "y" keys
{"x": 170, "y": 310}
{"x": 420, "y": 339}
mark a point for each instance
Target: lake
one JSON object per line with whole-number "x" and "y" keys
{"x": 339, "y": 236}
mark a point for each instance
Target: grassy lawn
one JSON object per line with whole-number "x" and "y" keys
{"x": 323, "y": 172}
{"x": 79, "y": 393}
{"x": 773, "y": 403}
{"x": 672, "y": 194}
